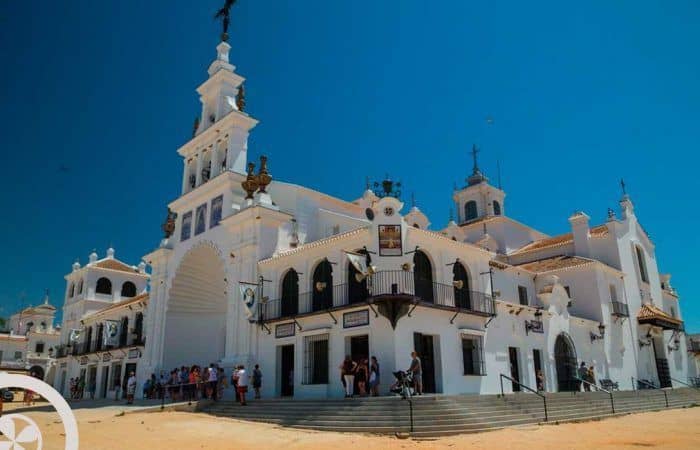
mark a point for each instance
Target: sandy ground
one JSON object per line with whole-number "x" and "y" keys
{"x": 105, "y": 428}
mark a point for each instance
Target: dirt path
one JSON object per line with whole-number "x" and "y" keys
{"x": 103, "y": 429}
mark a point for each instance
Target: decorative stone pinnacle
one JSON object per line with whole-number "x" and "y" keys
{"x": 250, "y": 184}
{"x": 264, "y": 178}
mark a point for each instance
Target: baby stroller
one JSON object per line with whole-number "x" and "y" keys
{"x": 403, "y": 385}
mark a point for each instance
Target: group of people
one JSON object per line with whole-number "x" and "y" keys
{"x": 196, "y": 383}
{"x": 365, "y": 373}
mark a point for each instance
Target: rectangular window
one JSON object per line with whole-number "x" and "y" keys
{"x": 0, "y": 355}
{"x": 642, "y": 265}
{"x": 522, "y": 295}
{"x": 473, "y": 356}
{"x": 315, "y": 359}
{"x": 186, "y": 230}
{"x": 18, "y": 356}
{"x": 201, "y": 219}
{"x": 39, "y": 347}
{"x": 613, "y": 293}
{"x": 217, "y": 205}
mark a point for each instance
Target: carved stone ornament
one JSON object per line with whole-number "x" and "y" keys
{"x": 264, "y": 177}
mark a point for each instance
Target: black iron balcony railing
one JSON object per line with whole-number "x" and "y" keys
{"x": 397, "y": 282}
{"x": 620, "y": 309}
{"x": 84, "y": 348}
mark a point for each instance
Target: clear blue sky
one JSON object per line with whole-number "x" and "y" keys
{"x": 581, "y": 95}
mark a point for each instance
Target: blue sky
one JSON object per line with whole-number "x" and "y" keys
{"x": 97, "y": 96}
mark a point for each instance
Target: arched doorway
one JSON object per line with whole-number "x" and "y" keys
{"x": 322, "y": 287}
{"x": 565, "y": 361}
{"x": 290, "y": 293}
{"x": 460, "y": 282}
{"x": 357, "y": 290}
{"x": 423, "y": 277}
{"x": 195, "y": 317}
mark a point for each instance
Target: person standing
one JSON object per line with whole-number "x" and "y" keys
{"x": 242, "y": 378}
{"x": 213, "y": 383}
{"x": 540, "y": 381}
{"x": 416, "y": 370}
{"x": 257, "y": 380}
{"x": 582, "y": 375}
{"x": 361, "y": 376}
{"x": 374, "y": 377}
{"x": 349, "y": 366}
{"x": 130, "y": 388}
{"x": 590, "y": 375}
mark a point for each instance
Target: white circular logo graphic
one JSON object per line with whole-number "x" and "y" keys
{"x": 18, "y": 429}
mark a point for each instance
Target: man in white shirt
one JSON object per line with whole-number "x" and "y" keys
{"x": 242, "y": 377}
{"x": 213, "y": 381}
{"x": 130, "y": 388}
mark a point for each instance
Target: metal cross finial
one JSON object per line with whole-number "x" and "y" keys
{"x": 475, "y": 151}
{"x": 623, "y": 186}
{"x": 367, "y": 183}
{"x": 413, "y": 200}
{"x": 452, "y": 215}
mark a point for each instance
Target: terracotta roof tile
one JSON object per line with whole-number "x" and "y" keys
{"x": 555, "y": 263}
{"x": 113, "y": 264}
{"x": 598, "y": 231}
{"x": 650, "y": 311}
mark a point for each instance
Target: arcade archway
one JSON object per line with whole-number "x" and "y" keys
{"x": 195, "y": 317}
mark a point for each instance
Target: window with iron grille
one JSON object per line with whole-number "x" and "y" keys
{"x": 473, "y": 355}
{"x": 522, "y": 295}
{"x": 39, "y": 347}
{"x": 18, "y": 356}
{"x": 315, "y": 359}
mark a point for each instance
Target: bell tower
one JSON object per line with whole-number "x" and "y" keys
{"x": 220, "y": 135}
{"x": 478, "y": 198}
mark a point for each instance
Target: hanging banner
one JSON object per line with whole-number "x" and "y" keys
{"x": 248, "y": 296}
{"x": 111, "y": 333}
{"x": 358, "y": 261}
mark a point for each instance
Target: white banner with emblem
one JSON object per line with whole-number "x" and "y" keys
{"x": 249, "y": 297}
{"x": 111, "y": 333}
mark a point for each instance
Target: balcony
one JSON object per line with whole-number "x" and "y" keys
{"x": 382, "y": 284}
{"x": 620, "y": 309}
{"x": 694, "y": 346}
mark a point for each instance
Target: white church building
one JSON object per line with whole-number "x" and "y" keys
{"x": 486, "y": 295}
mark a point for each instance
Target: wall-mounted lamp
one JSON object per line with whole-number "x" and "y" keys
{"x": 538, "y": 313}
{"x": 598, "y": 337}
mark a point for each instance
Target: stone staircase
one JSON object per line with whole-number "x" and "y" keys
{"x": 439, "y": 415}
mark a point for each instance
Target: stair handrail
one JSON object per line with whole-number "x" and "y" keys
{"x": 683, "y": 382}
{"x": 544, "y": 399}
{"x": 634, "y": 386}
{"x": 599, "y": 388}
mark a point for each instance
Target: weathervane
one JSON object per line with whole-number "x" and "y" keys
{"x": 475, "y": 151}
{"x": 387, "y": 188}
{"x": 623, "y": 186}
{"x": 225, "y": 15}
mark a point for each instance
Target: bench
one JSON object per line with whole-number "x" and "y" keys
{"x": 609, "y": 385}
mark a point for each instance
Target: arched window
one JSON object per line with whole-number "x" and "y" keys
{"x": 42, "y": 326}
{"x": 496, "y": 208}
{"x": 124, "y": 332}
{"x": 80, "y": 287}
{"x": 128, "y": 289}
{"x": 290, "y": 293}
{"x": 423, "y": 277}
{"x": 104, "y": 286}
{"x": 30, "y": 325}
{"x": 642, "y": 264}
{"x": 460, "y": 282}
{"x": 357, "y": 290}
{"x": 470, "y": 210}
{"x": 322, "y": 287}
{"x": 415, "y": 225}
{"x": 71, "y": 290}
